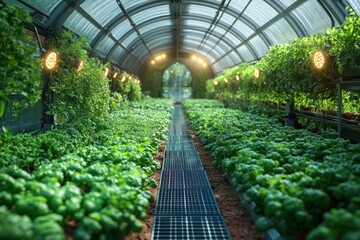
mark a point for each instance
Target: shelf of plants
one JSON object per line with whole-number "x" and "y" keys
{"x": 304, "y": 184}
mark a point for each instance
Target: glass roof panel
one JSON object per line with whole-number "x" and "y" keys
{"x": 232, "y": 38}
{"x": 210, "y": 58}
{"x": 154, "y": 12}
{"x": 155, "y": 25}
{"x": 260, "y": 12}
{"x": 127, "y": 41}
{"x": 78, "y": 24}
{"x": 196, "y": 23}
{"x": 245, "y": 53}
{"x": 242, "y": 28}
{"x": 238, "y": 5}
{"x": 226, "y": 62}
{"x": 227, "y": 18}
{"x": 234, "y": 57}
{"x": 104, "y": 46}
{"x": 259, "y": 46}
{"x": 280, "y": 32}
{"x": 121, "y": 29}
{"x": 355, "y": 4}
{"x": 198, "y": 10}
{"x": 102, "y": 10}
{"x": 312, "y": 16}
{"x": 46, "y": 6}
{"x": 161, "y": 41}
{"x": 287, "y": 3}
{"x": 131, "y": 3}
{"x": 117, "y": 54}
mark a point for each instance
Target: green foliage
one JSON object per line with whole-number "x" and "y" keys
{"x": 20, "y": 67}
{"x": 55, "y": 181}
{"x": 73, "y": 95}
{"x": 293, "y": 176}
{"x": 127, "y": 87}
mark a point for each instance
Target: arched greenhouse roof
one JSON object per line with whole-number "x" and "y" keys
{"x": 128, "y": 33}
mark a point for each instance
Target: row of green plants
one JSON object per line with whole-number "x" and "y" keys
{"x": 69, "y": 93}
{"x": 287, "y": 72}
{"x": 305, "y": 185}
{"x": 56, "y": 185}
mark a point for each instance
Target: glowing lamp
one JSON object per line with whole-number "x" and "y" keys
{"x": 319, "y": 59}
{"x": 51, "y": 60}
{"x": 115, "y": 74}
{"x": 225, "y": 80}
{"x": 163, "y": 56}
{"x": 204, "y": 65}
{"x": 237, "y": 77}
{"x": 200, "y": 60}
{"x": 106, "y": 72}
{"x": 158, "y": 58}
{"x": 216, "y": 83}
{"x": 257, "y": 73}
{"x": 123, "y": 79}
{"x": 79, "y": 65}
{"x": 152, "y": 62}
{"x": 193, "y": 57}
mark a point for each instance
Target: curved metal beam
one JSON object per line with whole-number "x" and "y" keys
{"x": 136, "y": 9}
{"x": 155, "y": 34}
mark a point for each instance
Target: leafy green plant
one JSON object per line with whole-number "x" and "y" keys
{"x": 20, "y": 67}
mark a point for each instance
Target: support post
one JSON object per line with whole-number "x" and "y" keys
{"x": 290, "y": 116}
{"x": 339, "y": 106}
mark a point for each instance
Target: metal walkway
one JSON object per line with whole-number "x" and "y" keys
{"x": 186, "y": 207}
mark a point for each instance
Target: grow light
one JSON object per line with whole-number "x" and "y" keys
{"x": 237, "y": 77}
{"x": 257, "y": 73}
{"x": 216, "y": 83}
{"x": 106, "y": 72}
{"x": 225, "y": 80}
{"x": 319, "y": 59}
{"x": 51, "y": 60}
{"x": 79, "y": 65}
{"x": 115, "y": 74}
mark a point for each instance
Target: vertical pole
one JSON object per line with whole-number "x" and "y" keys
{"x": 339, "y": 106}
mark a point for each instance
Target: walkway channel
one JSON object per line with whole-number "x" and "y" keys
{"x": 186, "y": 207}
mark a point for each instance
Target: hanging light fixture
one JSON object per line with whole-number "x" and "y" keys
{"x": 51, "y": 60}
{"x": 319, "y": 59}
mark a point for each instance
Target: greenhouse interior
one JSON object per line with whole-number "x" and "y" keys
{"x": 180, "y": 119}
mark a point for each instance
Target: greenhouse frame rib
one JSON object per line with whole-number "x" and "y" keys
{"x": 186, "y": 207}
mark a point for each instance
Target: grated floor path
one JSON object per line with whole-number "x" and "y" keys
{"x": 186, "y": 207}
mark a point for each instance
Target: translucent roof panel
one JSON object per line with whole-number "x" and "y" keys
{"x": 128, "y": 4}
{"x": 355, "y": 4}
{"x": 234, "y": 56}
{"x": 46, "y": 6}
{"x": 232, "y": 38}
{"x": 154, "y": 12}
{"x": 227, "y": 18}
{"x": 260, "y": 12}
{"x": 116, "y": 55}
{"x": 287, "y": 3}
{"x": 259, "y": 46}
{"x": 154, "y": 26}
{"x": 78, "y": 24}
{"x": 196, "y": 23}
{"x": 312, "y": 16}
{"x": 127, "y": 41}
{"x": 105, "y": 45}
{"x": 226, "y": 62}
{"x": 187, "y": 48}
{"x": 243, "y": 28}
{"x": 217, "y": 68}
{"x": 238, "y": 5}
{"x": 280, "y": 32}
{"x": 121, "y": 29}
{"x": 161, "y": 41}
{"x": 245, "y": 53}
{"x": 102, "y": 10}
{"x": 198, "y": 10}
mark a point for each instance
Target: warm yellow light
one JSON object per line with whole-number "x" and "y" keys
{"x": 158, "y": 58}
{"x": 123, "y": 79}
{"x": 225, "y": 80}
{"x": 106, "y": 72}
{"x": 216, "y": 83}
{"x": 257, "y": 73}
{"x": 51, "y": 60}
{"x": 237, "y": 77}
{"x": 163, "y": 56}
{"x": 193, "y": 57}
{"x": 200, "y": 60}
{"x": 115, "y": 74}
{"x": 172, "y": 71}
{"x": 319, "y": 60}
{"x": 152, "y": 62}
{"x": 204, "y": 65}
{"x": 79, "y": 65}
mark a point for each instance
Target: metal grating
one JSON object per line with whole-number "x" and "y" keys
{"x": 189, "y": 227}
{"x": 186, "y": 207}
{"x": 184, "y": 180}
{"x": 186, "y": 202}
